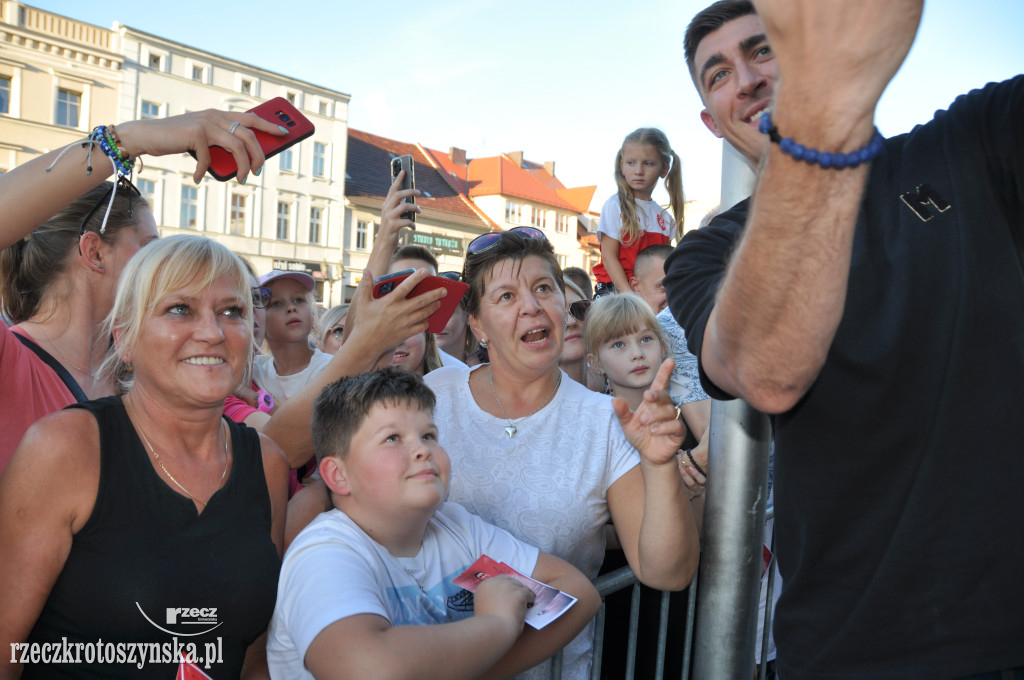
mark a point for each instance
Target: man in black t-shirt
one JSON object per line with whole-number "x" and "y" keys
{"x": 878, "y": 313}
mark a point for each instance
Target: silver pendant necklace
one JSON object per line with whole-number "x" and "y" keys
{"x": 511, "y": 430}
{"x": 423, "y": 566}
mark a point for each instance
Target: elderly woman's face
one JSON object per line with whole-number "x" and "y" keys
{"x": 196, "y": 343}
{"x": 522, "y": 314}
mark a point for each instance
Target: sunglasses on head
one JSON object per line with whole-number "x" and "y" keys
{"x": 491, "y": 239}
{"x": 451, "y": 276}
{"x": 579, "y": 309}
{"x": 260, "y": 297}
{"x": 122, "y": 183}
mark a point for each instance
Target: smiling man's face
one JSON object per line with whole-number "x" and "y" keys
{"x": 736, "y": 73}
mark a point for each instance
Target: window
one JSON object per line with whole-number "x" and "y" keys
{"x": 361, "y": 232}
{"x": 513, "y": 212}
{"x": 291, "y": 98}
{"x": 150, "y": 110}
{"x": 286, "y": 160}
{"x": 156, "y": 62}
{"x": 284, "y": 217}
{"x": 315, "y": 216}
{"x": 319, "y": 159}
{"x": 562, "y": 224}
{"x": 246, "y": 86}
{"x": 147, "y": 188}
{"x": 538, "y": 217}
{"x": 189, "y": 207}
{"x": 198, "y": 73}
{"x": 68, "y": 104}
{"x": 5, "y": 95}
{"x": 323, "y": 108}
{"x": 236, "y": 223}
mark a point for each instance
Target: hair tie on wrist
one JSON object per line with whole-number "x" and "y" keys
{"x": 693, "y": 462}
{"x": 825, "y": 159}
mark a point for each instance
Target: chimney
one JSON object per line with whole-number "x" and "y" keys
{"x": 517, "y": 158}
{"x": 550, "y": 167}
{"x": 457, "y": 155}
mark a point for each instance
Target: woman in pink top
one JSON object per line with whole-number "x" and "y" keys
{"x": 58, "y": 279}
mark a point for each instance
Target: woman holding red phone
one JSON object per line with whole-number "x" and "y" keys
{"x": 58, "y": 279}
{"x": 53, "y": 497}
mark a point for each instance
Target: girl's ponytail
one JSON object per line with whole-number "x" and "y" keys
{"x": 674, "y": 186}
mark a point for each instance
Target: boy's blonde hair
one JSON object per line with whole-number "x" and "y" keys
{"x": 612, "y": 316}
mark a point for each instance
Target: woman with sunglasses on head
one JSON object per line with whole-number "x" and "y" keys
{"x": 573, "y": 359}
{"x": 543, "y": 457}
{"x": 58, "y": 279}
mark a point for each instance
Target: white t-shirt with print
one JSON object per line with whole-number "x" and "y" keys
{"x": 334, "y": 570}
{"x": 548, "y": 485}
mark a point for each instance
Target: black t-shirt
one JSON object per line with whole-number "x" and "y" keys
{"x": 146, "y": 573}
{"x": 899, "y": 511}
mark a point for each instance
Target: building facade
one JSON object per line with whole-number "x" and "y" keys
{"x": 449, "y": 220}
{"x": 59, "y": 78}
{"x": 291, "y": 216}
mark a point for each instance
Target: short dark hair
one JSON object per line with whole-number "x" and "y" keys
{"x": 510, "y": 246}
{"x": 649, "y": 254}
{"x": 580, "y": 277}
{"x": 707, "y": 21}
{"x": 413, "y": 251}
{"x": 342, "y": 407}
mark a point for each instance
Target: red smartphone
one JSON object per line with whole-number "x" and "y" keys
{"x": 382, "y": 285}
{"x": 278, "y": 111}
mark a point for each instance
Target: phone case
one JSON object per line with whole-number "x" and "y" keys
{"x": 408, "y": 182}
{"x": 277, "y": 110}
{"x": 456, "y": 289}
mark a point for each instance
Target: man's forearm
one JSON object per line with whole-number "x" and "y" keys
{"x": 782, "y": 298}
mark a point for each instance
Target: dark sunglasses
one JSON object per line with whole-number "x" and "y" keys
{"x": 260, "y": 297}
{"x": 491, "y": 239}
{"x": 122, "y": 183}
{"x": 451, "y": 276}
{"x": 579, "y": 309}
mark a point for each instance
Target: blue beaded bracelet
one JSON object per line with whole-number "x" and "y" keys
{"x": 823, "y": 158}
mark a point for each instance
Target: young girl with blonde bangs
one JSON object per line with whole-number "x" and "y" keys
{"x": 625, "y": 343}
{"x": 631, "y": 220}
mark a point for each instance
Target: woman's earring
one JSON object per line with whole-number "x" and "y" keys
{"x": 483, "y": 343}
{"x": 98, "y": 266}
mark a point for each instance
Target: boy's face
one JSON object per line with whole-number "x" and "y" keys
{"x": 395, "y": 463}
{"x": 649, "y": 283}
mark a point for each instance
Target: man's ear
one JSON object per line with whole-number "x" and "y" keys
{"x": 634, "y": 283}
{"x": 332, "y": 471}
{"x": 710, "y": 123}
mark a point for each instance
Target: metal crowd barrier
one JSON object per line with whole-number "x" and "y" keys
{"x": 623, "y": 578}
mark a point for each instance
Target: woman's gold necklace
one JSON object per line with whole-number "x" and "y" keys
{"x": 156, "y": 457}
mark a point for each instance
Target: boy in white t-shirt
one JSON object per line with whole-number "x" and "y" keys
{"x": 362, "y": 584}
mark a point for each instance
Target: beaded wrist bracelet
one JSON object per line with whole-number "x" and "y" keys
{"x": 823, "y": 158}
{"x": 107, "y": 139}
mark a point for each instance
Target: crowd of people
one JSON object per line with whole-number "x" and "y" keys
{"x": 184, "y": 437}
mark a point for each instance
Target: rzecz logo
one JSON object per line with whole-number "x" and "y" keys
{"x": 187, "y": 619}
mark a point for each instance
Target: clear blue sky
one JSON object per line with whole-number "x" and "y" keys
{"x": 562, "y": 81}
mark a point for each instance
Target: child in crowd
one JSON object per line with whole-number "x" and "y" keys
{"x": 631, "y": 220}
{"x": 332, "y": 329}
{"x": 624, "y": 341}
{"x": 648, "y": 279}
{"x": 417, "y": 353}
{"x": 292, "y": 363}
{"x": 365, "y": 589}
